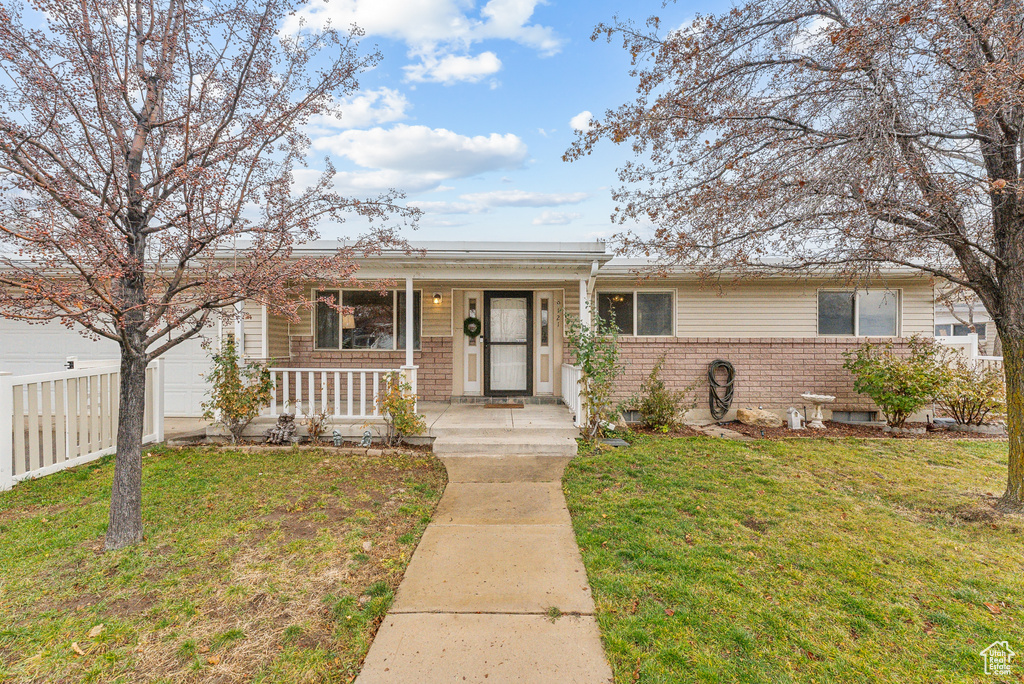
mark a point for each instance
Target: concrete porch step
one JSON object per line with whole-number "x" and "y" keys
{"x": 505, "y": 433}
{"x": 532, "y": 445}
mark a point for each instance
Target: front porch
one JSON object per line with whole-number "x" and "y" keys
{"x": 459, "y": 322}
{"x": 444, "y": 419}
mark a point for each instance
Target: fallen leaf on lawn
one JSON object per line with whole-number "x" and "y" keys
{"x": 96, "y": 631}
{"x": 993, "y": 608}
{"x": 76, "y": 648}
{"x": 213, "y": 660}
{"x": 669, "y": 611}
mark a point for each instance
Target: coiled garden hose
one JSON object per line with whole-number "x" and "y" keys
{"x": 720, "y": 393}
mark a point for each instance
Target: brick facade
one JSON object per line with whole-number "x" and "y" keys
{"x": 770, "y": 372}
{"x": 434, "y": 377}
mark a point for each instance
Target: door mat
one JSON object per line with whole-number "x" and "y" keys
{"x": 504, "y": 406}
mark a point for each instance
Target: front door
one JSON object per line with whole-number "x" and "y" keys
{"x": 508, "y": 344}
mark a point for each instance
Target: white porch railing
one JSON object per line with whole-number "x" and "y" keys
{"x": 968, "y": 346}
{"x": 571, "y": 393}
{"x": 344, "y": 392}
{"x": 64, "y": 419}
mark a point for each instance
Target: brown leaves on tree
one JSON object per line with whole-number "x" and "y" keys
{"x": 151, "y": 153}
{"x": 845, "y": 136}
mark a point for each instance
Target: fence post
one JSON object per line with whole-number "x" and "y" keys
{"x": 6, "y": 428}
{"x": 158, "y": 400}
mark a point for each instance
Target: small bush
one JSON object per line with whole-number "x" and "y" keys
{"x": 659, "y": 408}
{"x": 316, "y": 421}
{"x": 595, "y": 350}
{"x": 973, "y": 393}
{"x": 237, "y": 393}
{"x": 900, "y": 384}
{"x": 398, "y": 408}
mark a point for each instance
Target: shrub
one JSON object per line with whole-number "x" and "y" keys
{"x": 973, "y": 392}
{"x": 398, "y": 409}
{"x": 237, "y": 393}
{"x": 595, "y": 349}
{"x": 900, "y": 384}
{"x": 659, "y": 408}
{"x": 316, "y": 421}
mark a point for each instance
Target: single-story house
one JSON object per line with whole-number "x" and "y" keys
{"x": 785, "y": 335}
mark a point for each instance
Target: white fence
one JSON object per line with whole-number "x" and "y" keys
{"x": 343, "y": 392}
{"x": 968, "y": 346}
{"x": 571, "y": 393}
{"x": 64, "y": 419}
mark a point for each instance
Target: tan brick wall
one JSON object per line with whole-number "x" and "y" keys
{"x": 770, "y": 372}
{"x": 434, "y": 377}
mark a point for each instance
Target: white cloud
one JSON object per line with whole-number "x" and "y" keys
{"x": 417, "y": 158}
{"x": 368, "y": 108}
{"x": 446, "y": 207}
{"x": 436, "y": 31}
{"x": 555, "y": 218}
{"x": 582, "y": 121}
{"x": 522, "y": 198}
{"x": 483, "y": 202}
{"x": 451, "y": 69}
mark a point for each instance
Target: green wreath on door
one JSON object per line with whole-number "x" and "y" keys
{"x": 472, "y": 327}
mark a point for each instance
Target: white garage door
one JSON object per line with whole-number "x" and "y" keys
{"x": 43, "y": 348}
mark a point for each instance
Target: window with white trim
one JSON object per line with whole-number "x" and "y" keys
{"x": 860, "y": 313}
{"x": 367, "y": 320}
{"x": 637, "y": 312}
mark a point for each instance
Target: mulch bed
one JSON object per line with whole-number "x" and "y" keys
{"x": 847, "y": 430}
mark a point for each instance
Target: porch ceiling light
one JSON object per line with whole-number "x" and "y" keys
{"x": 437, "y": 298}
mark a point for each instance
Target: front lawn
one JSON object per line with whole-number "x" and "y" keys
{"x": 266, "y": 567}
{"x": 800, "y": 560}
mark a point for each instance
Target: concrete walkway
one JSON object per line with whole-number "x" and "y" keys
{"x": 476, "y": 602}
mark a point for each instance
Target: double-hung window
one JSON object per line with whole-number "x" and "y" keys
{"x": 639, "y": 313}
{"x": 861, "y": 313}
{"x": 367, "y": 319}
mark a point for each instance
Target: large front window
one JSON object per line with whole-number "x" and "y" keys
{"x": 644, "y": 314}
{"x": 367, "y": 320}
{"x": 860, "y": 313}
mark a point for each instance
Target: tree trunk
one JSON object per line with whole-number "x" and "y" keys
{"x": 1013, "y": 367}
{"x": 125, "y": 528}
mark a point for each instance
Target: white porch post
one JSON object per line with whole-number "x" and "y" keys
{"x": 584, "y": 302}
{"x": 409, "y": 369}
{"x": 408, "y": 322}
{"x": 239, "y": 341}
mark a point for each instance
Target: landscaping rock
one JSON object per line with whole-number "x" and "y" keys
{"x": 904, "y": 430}
{"x": 994, "y": 430}
{"x": 758, "y": 418}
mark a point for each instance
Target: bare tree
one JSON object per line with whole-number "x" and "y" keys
{"x": 139, "y": 141}
{"x": 850, "y": 133}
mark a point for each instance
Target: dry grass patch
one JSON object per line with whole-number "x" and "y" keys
{"x": 256, "y": 567}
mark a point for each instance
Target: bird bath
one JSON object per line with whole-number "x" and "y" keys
{"x": 818, "y": 400}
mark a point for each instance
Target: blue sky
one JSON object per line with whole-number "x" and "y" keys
{"x": 469, "y": 112}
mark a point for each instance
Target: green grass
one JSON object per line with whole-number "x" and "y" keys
{"x": 253, "y": 567}
{"x": 800, "y": 560}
